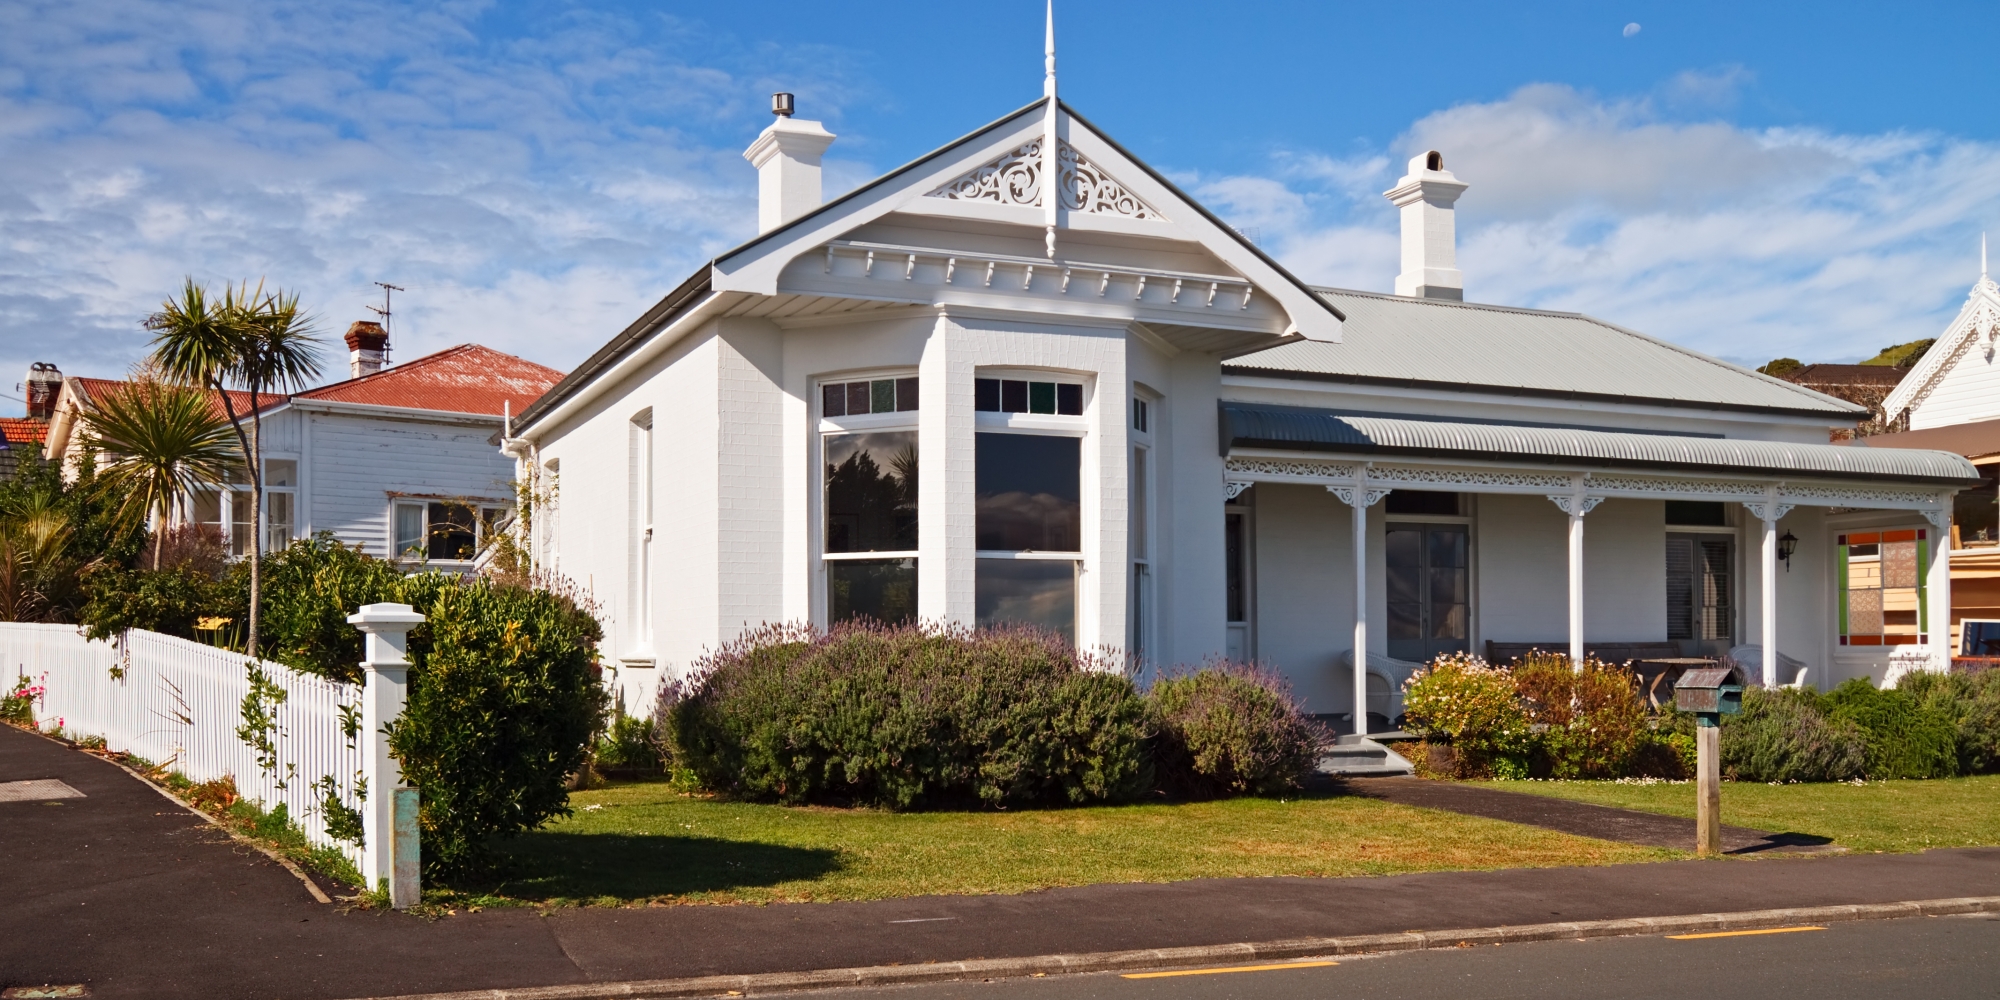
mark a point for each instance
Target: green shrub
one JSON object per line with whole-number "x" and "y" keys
{"x": 310, "y": 587}
{"x": 906, "y": 717}
{"x": 1906, "y": 739}
{"x": 1461, "y": 700}
{"x": 627, "y": 748}
{"x": 1782, "y": 735}
{"x": 1972, "y": 703}
{"x": 169, "y": 601}
{"x": 504, "y": 697}
{"x": 1230, "y": 729}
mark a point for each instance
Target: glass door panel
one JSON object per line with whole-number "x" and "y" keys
{"x": 1429, "y": 589}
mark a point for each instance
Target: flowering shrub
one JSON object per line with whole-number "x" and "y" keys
{"x": 18, "y": 706}
{"x": 1591, "y": 723}
{"x": 1230, "y": 729}
{"x": 1461, "y": 699}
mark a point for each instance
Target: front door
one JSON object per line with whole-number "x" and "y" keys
{"x": 1700, "y": 590}
{"x": 1429, "y": 590}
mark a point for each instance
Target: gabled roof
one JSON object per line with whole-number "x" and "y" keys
{"x": 87, "y": 391}
{"x": 467, "y": 378}
{"x": 1463, "y": 346}
{"x": 753, "y": 266}
{"x": 1979, "y": 316}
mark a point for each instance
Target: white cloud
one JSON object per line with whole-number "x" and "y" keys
{"x": 1744, "y": 243}
{"x": 533, "y": 193}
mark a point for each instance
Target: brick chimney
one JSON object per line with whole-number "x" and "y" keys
{"x": 44, "y": 383}
{"x": 366, "y": 344}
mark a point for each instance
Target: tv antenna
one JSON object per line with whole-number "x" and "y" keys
{"x": 387, "y": 290}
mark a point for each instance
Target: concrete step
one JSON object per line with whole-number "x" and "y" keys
{"x": 1362, "y": 759}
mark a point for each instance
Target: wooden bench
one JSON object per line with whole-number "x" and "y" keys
{"x": 1502, "y": 653}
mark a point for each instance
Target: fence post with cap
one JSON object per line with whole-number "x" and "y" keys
{"x": 389, "y": 815}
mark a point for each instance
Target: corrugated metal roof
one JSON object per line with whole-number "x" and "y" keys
{"x": 1300, "y": 429}
{"x": 463, "y": 379}
{"x": 1398, "y": 339}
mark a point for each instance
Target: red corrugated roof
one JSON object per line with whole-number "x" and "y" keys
{"x": 17, "y": 431}
{"x": 93, "y": 389}
{"x": 463, "y": 379}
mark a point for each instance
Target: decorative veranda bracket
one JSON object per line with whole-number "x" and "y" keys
{"x": 1768, "y": 511}
{"x": 1232, "y": 490}
{"x": 1567, "y": 500}
{"x": 1369, "y": 497}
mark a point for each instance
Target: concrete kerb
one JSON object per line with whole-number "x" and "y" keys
{"x": 1155, "y": 958}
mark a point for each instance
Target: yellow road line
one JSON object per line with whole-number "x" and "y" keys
{"x": 1717, "y": 934}
{"x": 1237, "y": 968}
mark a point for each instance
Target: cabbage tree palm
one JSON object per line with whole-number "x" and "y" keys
{"x": 247, "y": 339}
{"x": 160, "y": 441}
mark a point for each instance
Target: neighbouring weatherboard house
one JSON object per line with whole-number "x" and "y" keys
{"x": 399, "y": 460}
{"x": 1026, "y": 378}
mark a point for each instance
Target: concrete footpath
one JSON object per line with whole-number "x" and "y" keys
{"x": 124, "y": 892}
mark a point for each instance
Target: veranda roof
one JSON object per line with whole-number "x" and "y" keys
{"x": 1286, "y": 428}
{"x": 1469, "y": 347}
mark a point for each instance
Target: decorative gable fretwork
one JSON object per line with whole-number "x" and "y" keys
{"x": 1016, "y": 179}
{"x": 1978, "y": 325}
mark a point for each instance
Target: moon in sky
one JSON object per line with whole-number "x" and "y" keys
{"x": 1631, "y": 29}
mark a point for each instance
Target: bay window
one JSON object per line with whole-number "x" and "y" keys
{"x": 1028, "y": 496}
{"x": 868, "y": 454}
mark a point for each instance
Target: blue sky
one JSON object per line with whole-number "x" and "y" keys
{"x": 1749, "y": 180}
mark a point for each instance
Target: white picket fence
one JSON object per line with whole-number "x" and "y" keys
{"x": 181, "y": 704}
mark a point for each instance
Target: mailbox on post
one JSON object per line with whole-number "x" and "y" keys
{"x": 1710, "y": 693}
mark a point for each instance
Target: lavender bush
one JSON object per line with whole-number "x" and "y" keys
{"x": 906, "y": 717}
{"x": 1231, "y": 729}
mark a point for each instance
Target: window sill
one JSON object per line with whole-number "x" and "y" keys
{"x": 1011, "y": 554}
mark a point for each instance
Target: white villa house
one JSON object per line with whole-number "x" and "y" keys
{"x": 1026, "y": 378}
{"x": 399, "y": 460}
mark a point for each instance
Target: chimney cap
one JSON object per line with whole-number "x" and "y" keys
{"x": 781, "y": 104}
{"x": 366, "y": 335}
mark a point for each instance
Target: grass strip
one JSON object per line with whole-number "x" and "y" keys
{"x": 1890, "y": 816}
{"x": 648, "y": 843}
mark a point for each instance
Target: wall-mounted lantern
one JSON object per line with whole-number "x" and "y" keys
{"x": 1788, "y": 543}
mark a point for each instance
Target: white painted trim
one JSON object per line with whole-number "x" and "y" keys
{"x": 654, "y": 343}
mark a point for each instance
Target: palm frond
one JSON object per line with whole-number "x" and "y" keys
{"x": 160, "y": 441}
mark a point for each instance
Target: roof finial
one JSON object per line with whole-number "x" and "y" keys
{"x": 1049, "y": 53}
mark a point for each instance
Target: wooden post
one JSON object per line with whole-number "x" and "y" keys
{"x": 1708, "y": 788}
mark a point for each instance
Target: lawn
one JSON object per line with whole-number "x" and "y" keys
{"x": 1877, "y": 816}
{"x": 645, "y": 842}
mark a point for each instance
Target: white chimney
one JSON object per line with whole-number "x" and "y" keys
{"x": 1430, "y": 236}
{"x": 786, "y": 156}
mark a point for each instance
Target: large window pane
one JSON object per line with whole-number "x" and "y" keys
{"x": 409, "y": 530}
{"x": 882, "y": 589}
{"x": 871, "y": 491}
{"x": 1028, "y": 493}
{"x": 451, "y": 531}
{"x": 278, "y": 520}
{"x": 1026, "y": 591}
